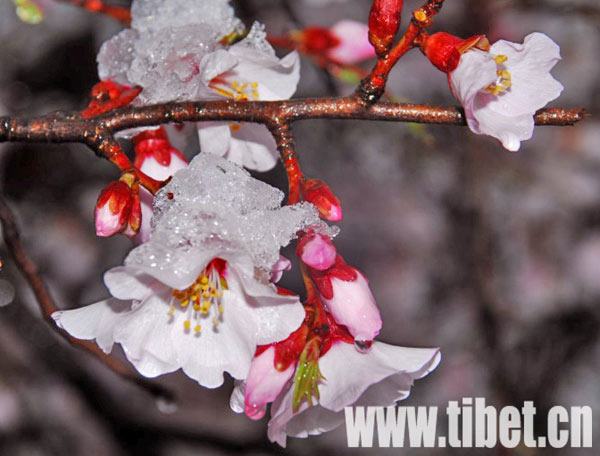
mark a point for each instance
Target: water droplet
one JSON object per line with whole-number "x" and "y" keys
{"x": 363, "y": 346}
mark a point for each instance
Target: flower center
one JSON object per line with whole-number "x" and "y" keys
{"x": 504, "y": 81}
{"x": 202, "y": 299}
{"x": 237, "y": 91}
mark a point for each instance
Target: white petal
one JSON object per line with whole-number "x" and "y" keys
{"x": 276, "y": 316}
{"x": 127, "y": 283}
{"x": 277, "y": 79}
{"x": 96, "y": 321}
{"x": 383, "y": 361}
{"x": 144, "y": 334}
{"x": 533, "y": 87}
{"x": 253, "y": 147}
{"x": 182, "y": 269}
{"x": 475, "y": 72}
{"x": 157, "y": 171}
{"x": 215, "y": 137}
{"x": 307, "y": 421}
{"x": 146, "y": 200}
{"x": 230, "y": 348}
{"x": 510, "y": 130}
{"x": 217, "y": 63}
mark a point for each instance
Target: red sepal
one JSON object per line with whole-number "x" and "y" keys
{"x": 107, "y": 96}
{"x": 317, "y": 192}
{"x": 444, "y": 50}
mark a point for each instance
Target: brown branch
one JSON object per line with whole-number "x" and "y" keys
{"x": 71, "y": 127}
{"x": 47, "y": 305}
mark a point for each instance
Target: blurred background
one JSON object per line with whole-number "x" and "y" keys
{"x": 492, "y": 256}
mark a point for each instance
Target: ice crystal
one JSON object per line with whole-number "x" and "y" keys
{"x": 216, "y": 206}
{"x": 163, "y": 50}
{"x": 153, "y": 15}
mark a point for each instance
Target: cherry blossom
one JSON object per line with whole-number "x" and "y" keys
{"x": 197, "y": 296}
{"x": 381, "y": 377}
{"x": 248, "y": 70}
{"x": 502, "y": 89}
{"x": 328, "y": 376}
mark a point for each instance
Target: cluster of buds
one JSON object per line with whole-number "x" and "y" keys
{"x": 125, "y": 206}
{"x": 341, "y": 308}
{"x": 342, "y": 288}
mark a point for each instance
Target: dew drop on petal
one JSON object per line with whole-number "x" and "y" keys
{"x": 255, "y": 412}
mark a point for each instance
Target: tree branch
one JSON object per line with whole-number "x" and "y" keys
{"x": 47, "y": 305}
{"x": 63, "y": 127}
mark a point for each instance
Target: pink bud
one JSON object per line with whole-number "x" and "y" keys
{"x": 264, "y": 383}
{"x": 354, "y": 45}
{"x": 353, "y": 306}
{"x": 317, "y": 192}
{"x": 113, "y": 209}
{"x": 317, "y": 251}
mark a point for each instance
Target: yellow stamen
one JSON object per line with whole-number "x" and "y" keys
{"x": 200, "y": 298}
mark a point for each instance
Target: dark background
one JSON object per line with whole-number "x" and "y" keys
{"x": 491, "y": 255}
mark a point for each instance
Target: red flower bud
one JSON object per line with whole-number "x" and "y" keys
{"x": 317, "y": 192}
{"x": 118, "y": 208}
{"x": 318, "y": 40}
{"x": 384, "y": 22}
{"x": 444, "y": 50}
{"x": 155, "y": 156}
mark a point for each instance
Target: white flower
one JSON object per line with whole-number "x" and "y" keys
{"x": 205, "y": 322}
{"x": 380, "y": 377}
{"x": 247, "y": 71}
{"x": 502, "y": 89}
{"x": 177, "y": 51}
{"x": 197, "y": 295}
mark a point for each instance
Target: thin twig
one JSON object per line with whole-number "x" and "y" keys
{"x": 47, "y": 305}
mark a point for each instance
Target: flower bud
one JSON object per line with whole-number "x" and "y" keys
{"x": 118, "y": 208}
{"x": 316, "y": 251}
{"x": 317, "y": 192}
{"x": 346, "y": 42}
{"x": 264, "y": 383}
{"x": 352, "y": 304}
{"x": 384, "y": 21}
{"x": 444, "y": 50}
{"x": 155, "y": 156}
